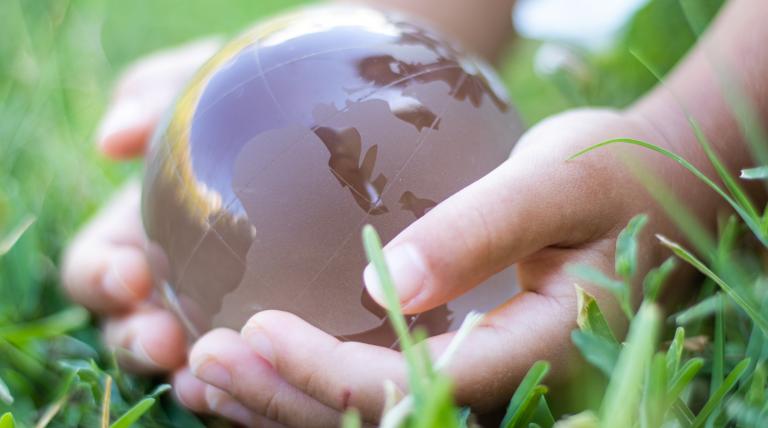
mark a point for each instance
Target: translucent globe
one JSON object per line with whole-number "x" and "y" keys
{"x": 294, "y": 136}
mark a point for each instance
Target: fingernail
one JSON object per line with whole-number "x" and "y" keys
{"x": 408, "y": 270}
{"x": 258, "y": 340}
{"x": 140, "y": 352}
{"x": 221, "y": 403}
{"x": 212, "y": 372}
{"x": 126, "y": 114}
{"x": 114, "y": 282}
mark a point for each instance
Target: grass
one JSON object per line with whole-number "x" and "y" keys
{"x": 703, "y": 365}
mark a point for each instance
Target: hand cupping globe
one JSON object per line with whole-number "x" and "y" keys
{"x": 293, "y": 137}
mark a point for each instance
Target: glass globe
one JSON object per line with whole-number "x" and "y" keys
{"x": 294, "y": 136}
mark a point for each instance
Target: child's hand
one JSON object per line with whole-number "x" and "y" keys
{"x": 105, "y": 268}
{"x": 536, "y": 210}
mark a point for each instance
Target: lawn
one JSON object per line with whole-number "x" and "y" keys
{"x": 701, "y": 365}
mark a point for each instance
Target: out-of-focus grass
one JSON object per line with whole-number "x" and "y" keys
{"x": 58, "y": 59}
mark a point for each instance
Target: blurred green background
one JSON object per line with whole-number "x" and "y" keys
{"x": 58, "y": 60}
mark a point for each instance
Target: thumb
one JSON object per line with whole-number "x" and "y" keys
{"x": 534, "y": 200}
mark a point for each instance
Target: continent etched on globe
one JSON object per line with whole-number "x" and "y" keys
{"x": 294, "y": 136}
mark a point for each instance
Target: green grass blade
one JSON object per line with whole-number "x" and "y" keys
{"x": 703, "y": 309}
{"x": 51, "y": 326}
{"x": 654, "y": 280}
{"x": 139, "y": 409}
{"x": 438, "y": 409}
{"x": 7, "y": 243}
{"x": 684, "y": 376}
{"x": 733, "y": 186}
{"x": 595, "y": 276}
{"x": 134, "y": 413}
{"x": 718, "y": 357}
{"x": 597, "y": 350}
{"x": 626, "y": 247}
{"x": 745, "y": 304}
{"x": 5, "y": 393}
{"x": 622, "y": 396}
{"x": 525, "y": 390}
{"x": 756, "y": 394}
{"x": 717, "y": 398}
{"x": 543, "y": 415}
{"x": 590, "y": 318}
{"x": 375, "y": 255}
{"x": 7, "y": 421}
{"x": 524, "y": 414}
{"x": 351, "y": 419}
{"x": 745, "y": 216}
{"x": 675, "y": 351}
{"x": 655, "y": 393}
{"x": 683, "y": 414}
{"x": 756, "y": 173}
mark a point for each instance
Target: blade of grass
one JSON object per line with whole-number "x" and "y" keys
{"x": 595, "y": 276}
{"x": 756, "y": 173}
{"x": 749, "y": 221}
{"x": 597, "y": 350}
{"x": 373, "y": 251}
{"x": 717, "y": 398}
{"x": 134, "y": 413}
{"x": 749, "y": 307}
{"x": 626, "y": 247}
{"x": 524, "y": 391}
{"x": 522, "y": 417}
{"x": 106, "y": 402}
{"x": 5, "y": 393}
{"x": 7, "y": 421}
{"x": 351, "y": 419}
{"x": 675, "y": 352}
{"x": 543, "y": 415}
{"x": 590, "y": 318}
{"x": 683, "y": 414}
{"x": 733, "y": 186}
{"x": 703, "y": 309}
{"x": 438, "y": 410}
{"x": 139, "y": 409}
{"x": 684, "y": 376}
{"x": 53, "y": 325}
{"x": 654, "y": 280}
{"x": 718, "y": 357}
{"x": 622, "y": 396}
{"x": 655, "y": 393}
{"x": 756, "y": 394}
{"x": 51, "y": 412}
{"x": 7, "y": 243}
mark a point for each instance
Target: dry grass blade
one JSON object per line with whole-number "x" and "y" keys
{"x": 51, "y": 412}
{"x": 105, "y": 403}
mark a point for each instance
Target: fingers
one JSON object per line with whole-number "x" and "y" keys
{"x": 106, "y": 268}
{"x": 148, "y": 340}
{"x": 339, "y": 374}
{"x": 490, "y": 363}
{"x": 222, "y": 359}
{"x": 189, "y": 390}
{"x": 534, "y": 200}
{"x": 223, "y": 404}
{"x": 144, "y": 92}
{"x": 200, "y": 397}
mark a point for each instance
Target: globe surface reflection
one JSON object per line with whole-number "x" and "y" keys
{"x": 294, "y": 136}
